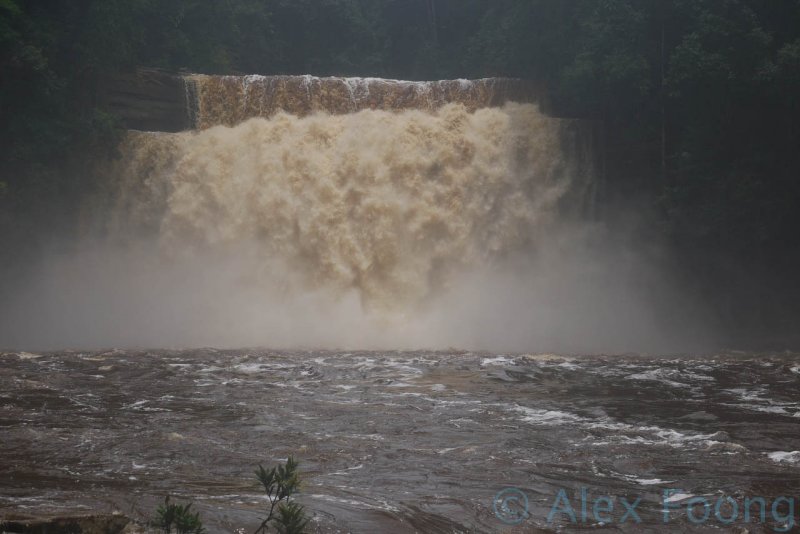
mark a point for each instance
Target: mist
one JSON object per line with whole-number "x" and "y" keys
{"x": 582, "y": 290}
{"x": 434, "y": 229}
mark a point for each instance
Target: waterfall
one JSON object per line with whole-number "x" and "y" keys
{"x": 337, "y": 212}
{"x": 350, "y": 213}
{"x": 391, "y": 204}
{"x": 228, "y": 100}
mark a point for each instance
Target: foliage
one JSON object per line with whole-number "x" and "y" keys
{"x": 179, "y": 516}
{"x": 291, "y": 519}
{"x": 280, "y": 483}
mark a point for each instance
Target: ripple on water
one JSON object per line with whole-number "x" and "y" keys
{"x": 397, "y": 428}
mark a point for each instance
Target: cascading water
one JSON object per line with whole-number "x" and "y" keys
{"x": 341, "y": 212}
{"x": 389, "y": 202}
{"x": 229, "y": 100}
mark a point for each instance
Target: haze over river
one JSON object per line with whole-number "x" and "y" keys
{"x": 401, "y": 441}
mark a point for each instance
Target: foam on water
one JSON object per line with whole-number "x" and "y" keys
{"x": 420, "y": 449}
{"x": 785, "y": 457}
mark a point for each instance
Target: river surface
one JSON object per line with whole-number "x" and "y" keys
{"x": 407, "y": 441}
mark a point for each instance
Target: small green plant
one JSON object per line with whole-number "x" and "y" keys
{"x": 179, "y": 516}
{"x": 280, "y": 483}
{"x": 291, "y": 519}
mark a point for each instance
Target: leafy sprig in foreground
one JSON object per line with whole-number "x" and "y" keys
{"x": 179, "y": 516}
{"x": 280, "y": 483}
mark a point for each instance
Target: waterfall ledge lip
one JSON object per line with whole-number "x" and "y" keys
{"x": 369, "y": 79}
{"x": 151, "y": 99}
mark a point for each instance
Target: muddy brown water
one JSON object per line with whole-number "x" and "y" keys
{"x": 407, "y": 441}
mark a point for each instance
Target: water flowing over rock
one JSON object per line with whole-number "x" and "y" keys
{"x": 389, "y": 204}
{"x": 345, "y": 205}
{"x": 229, "y": 100}
{"x": 157, "y": 100}
{"x": 397, "y": 441}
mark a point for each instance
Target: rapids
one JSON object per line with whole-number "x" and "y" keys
{"x": 395, "y": 442}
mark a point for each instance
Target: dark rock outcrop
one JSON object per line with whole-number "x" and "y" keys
{"x": 148, "y": 99}
{"x": 83, "y": 524}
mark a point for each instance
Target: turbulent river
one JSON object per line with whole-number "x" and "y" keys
{"x": 401, "y": 441}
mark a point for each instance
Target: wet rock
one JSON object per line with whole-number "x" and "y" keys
{"x": 148, "y": 100}
{"x": 85, "y": 524}
{"x": 726, "y": 447}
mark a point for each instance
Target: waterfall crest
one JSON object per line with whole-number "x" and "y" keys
{"x": 229, "y": 100}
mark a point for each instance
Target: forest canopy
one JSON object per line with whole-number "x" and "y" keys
{"x": 697, "y": 102}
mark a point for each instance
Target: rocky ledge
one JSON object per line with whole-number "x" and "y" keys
{"x": 147, "y": 99}
{"x": 77, "y": 524}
